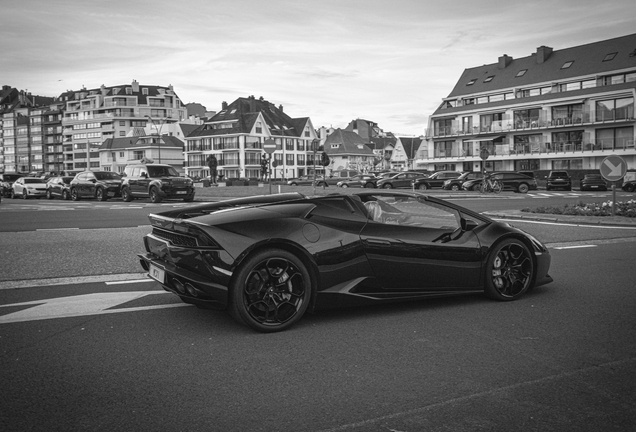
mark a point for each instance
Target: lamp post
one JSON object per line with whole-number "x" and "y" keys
{"x": 158, "y": 133}
{"x": 315, "y": 143}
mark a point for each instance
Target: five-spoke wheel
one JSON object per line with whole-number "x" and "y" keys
{"x": 271, "y": 291}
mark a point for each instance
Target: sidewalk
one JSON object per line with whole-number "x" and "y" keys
{"x": 554, "y": 218}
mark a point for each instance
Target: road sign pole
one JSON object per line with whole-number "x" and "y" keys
{"x": 613, "y": 198}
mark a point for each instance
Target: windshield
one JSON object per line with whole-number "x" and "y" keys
{"x": 33, "y": 180}
{"x": 162, "y": 171}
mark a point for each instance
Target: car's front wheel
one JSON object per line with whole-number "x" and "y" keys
{"x": 422, "y": 186}
{"x": 387, "y": 186}
{"x": 101, "y": 195}
{"x": 523, "y": 188}
{"x": 74, "y": 195}
{"x": 344, "y": 185}
{"x": 65, "y": 195}
{"x": 509, "y": 270}
{"x": 154, "y": 195}
{"x": 455, "y": 187}
{"x": 271, "y": 291}
{"x": 369, "y": 185}
{"x": 49, "y": 195}
{"x": 25, "y": 195}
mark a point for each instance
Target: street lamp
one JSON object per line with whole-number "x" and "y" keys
{"x": 315, "y": 143}
{"x": 158, "y": 133}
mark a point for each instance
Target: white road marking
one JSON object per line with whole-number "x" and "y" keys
{"x": 81, "y": 305}
{"x": 575, "y": 247}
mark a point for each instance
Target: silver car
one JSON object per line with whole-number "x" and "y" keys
{"x": 28, "y": 187}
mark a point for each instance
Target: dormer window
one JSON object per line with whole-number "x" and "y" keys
{"x": 567, "y": 64}
{"x": 129, "y": 90}
{"x": 335, "y": 146}
{"x": 144, "y": 91}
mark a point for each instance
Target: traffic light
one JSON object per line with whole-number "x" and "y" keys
{"x": 324, "y": 159}
{"x": 264, "y": 162}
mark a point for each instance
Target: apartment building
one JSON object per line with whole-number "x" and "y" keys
{"x": 92, "y": 116}
{"x": 554, "y": 109}
{"x": 236, "y": 134}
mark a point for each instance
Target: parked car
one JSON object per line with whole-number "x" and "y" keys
{"x": 360, "y": 180}
{"x": 400, "y": 180}
{"x": 155, "y": 181}
{"x": 59, "y": 187}
{"x": 436, "y": 180}
{"x": 6, "y": 183}
{"x": 527, "y": 173}
{"x": 28, "y": 187}
{"x": 558, "y": 180}
{"x": 335, "y": 177}
{"x": 369, "y": 247}
{"x": 593, "y": 182}
{"x": 629, "y": 186}
{"x": 302, "y": 181}
{"x": 510, "y": 181}
{"x": 99, "y": 185}
{"x": 456, "y": 183}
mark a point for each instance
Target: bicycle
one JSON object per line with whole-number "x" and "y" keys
{"x": 490, "y": 185}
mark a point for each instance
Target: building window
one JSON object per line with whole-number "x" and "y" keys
{"x": 471, "y": 82}
{"x": 490, "y": 122}
{"x": 567, "y": 114}
{"x": 122, "y": 133}
{"x": 144, "y": 91}
{"x": 615, "y": 138}
{"x": 289, "y": 159}
{"x": 521, "y": 73}
{"x": 567, "y": 64}
{"x": 527, "y": 118}
{"x": 488, "y": 79}
{"x": 567, "y": 141}
{"x": 610, "y": 56}
{"x": 259, "y": 127}
{"x": 122, "y": 123}
{"x": 443, "y": 127}
{"x": 615, "y": 109}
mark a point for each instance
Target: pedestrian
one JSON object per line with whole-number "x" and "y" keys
{"x": 212, "y": 164}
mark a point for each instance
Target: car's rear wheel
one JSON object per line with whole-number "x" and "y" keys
{"x": 125, "y": 194}
{"x": 629, "y": 188}
{"x": 48, "y": 194}
{"x": 422, "y": 186}
{"x": 523, "y": 188}
{"x": 509, "y": 270}
{"x": 25, "y": 195}
{"x": 387, "y": 186}
{"x": 344, "y": 185}
{"x": 101, "y": 195}
{"x": 271, "y": 291}
{"x": 13, "y": 195}
{"x": 294, "y": 184}
{"x": 455, "y": 187}
{"x": 154, "y": 195}
{"x": 66, "y": 195}
{"x": 369, "y": 186}
{"x": 74, "y": 195}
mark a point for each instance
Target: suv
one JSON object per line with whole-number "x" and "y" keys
{"x": 155, "y": 181}
{"x": 558, "y": 179}
{"x": 100, "y": 185}
{"x": 6, "y": 183}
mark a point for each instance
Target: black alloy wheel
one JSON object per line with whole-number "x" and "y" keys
{"x": 523, "y": 188}
{"x": 271, "y": 291}
{"x": 387, "y": 186}
{"x": 154, "y": 195}
{"x": 422, "y": 186}
{"x": 369, "y": 185}
{"x": 100, "y": 194}
{"x": 455, "y": 187}
{"x": 125, "y": 195}
{"x": 74, "y": 194}
{"x": 509, "y": 270}
{"x": 25, "y": 195}
{"x": 48, "y": 194}
{"x": 66, "y": 195}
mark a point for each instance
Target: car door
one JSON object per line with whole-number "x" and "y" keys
{"x": 89, "y": 185}
{"x": 415, "y": 244}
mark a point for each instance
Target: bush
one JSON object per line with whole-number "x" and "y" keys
{"x": 627, "y": 209}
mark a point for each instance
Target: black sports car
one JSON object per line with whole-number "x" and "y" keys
{"x": 271, "y": 258}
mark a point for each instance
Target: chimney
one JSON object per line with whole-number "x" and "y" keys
{"x": 543, "y": 52}
{"x": 223, "y": 105}
{"x": 504, "y": 61}
{"x": 252, "y": 101}
{"x": 280, "y": 107}
{"x": 135, "y": 86}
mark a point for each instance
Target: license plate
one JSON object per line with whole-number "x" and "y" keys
{"x": 110, "y": 194}
{"x": 156, "y": 273}
{"x": 594, "y": 187}
{"x": 182, "y": 192}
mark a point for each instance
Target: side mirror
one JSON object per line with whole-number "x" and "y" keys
{"x": 144, "y": 175}
{"x": 468, "y": 224}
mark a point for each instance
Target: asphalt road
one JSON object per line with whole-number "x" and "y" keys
{"x": 128, "y": 356}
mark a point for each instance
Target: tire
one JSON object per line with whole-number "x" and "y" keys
{"x": 74, "y": 195}
{"x": 154, "y": 195}
{"x": 48, "y": 194}
{"x": 125, "y": 195}
{"x": 455, "y": 187}
{"x": 509, "y": 271}
{"x": 294, "y": 184}
{"x": 387, "y": 186}
{"x": 369, "y": 186}
{"x": 257, "y": 297}
{"x": 629, "y": 188}
{"x": 100, "y": 195}
{"x": 547, "y": 188}
{"x": 523, "y": 188}
{"x": 13, "y": 196}
{"x": 481, "y": 187}
{"x": 65, "y": 195}
{"x": 497, "y": 187}
{"x": 345, "y": 186}
{"x": 422, "y": 186}
{"x": 24, "y": 194}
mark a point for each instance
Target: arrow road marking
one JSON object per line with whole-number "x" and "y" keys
{"x": 81, "y": 305}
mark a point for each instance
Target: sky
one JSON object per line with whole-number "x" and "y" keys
{"x": 390, "y": 62}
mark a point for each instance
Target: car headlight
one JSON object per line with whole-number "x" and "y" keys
{"x": 447, "y": 182}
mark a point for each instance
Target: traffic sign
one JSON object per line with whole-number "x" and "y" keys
{"x": 270, "y": 146}
{"x": 484, "y": 154}
{"x": 613, "y": 168}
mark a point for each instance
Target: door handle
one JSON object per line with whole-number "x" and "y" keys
{"x": 378, "y": 241}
